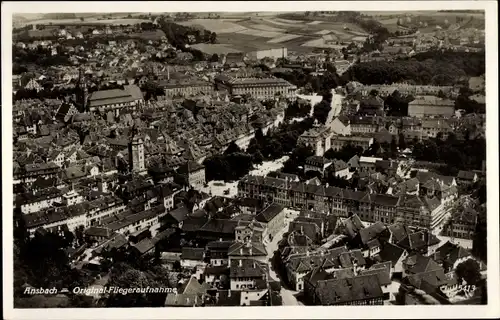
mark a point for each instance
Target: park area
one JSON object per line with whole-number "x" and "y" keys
{"x": 221, "y": 188}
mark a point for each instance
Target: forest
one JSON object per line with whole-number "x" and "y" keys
{"x": 429, "y": 68}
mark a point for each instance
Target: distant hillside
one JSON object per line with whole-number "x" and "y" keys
{"x": 57, "y": 16}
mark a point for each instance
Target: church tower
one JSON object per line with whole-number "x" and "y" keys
{"x": 83, "y": 92}
{"x": 136, "y": 153}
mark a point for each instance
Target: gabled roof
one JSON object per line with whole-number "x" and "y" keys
{"x": 371, "y": 232}
{"x": 179, "y": 214}
{"x": 269, "y": 213}
{"x": 417, "y": 263}
{"x": 253, "y": 249}
{"x": 391, "y": 253}
{"x": 466, "y": 175}
{"x": 192, "y": 253}
{"x": 340, "y": 291}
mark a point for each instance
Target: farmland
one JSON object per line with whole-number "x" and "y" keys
{"x": 260, "y": 33}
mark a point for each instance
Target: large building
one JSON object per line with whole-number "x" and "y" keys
{"x": 338, "y": 142}
{"x": 115, "y": 99}
{"x": 270, "y": 53}
{"x": 318, "y": 138}
{"x": 260, "y": 88}
{"x": 194, "y": 173}
{"x": 186, "y": 87}
{"x": 414, "y": 210}
{"x": 426, "y": 106}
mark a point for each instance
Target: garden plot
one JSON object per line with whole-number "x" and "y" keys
{"x": 315, "y": 22}
{"x": 260, "y": 33}
{"x": 286, "y": 37}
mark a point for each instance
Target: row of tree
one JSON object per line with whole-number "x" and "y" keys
{"x": 234, "y": 163}
{"x": 435, "y": 68}
{"x": 457, "y": 154}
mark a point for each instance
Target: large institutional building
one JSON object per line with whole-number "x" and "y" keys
{"x": 426, "y": 106}
{"x": 115, "y": 99}
{"x": 186, "y": 87}
{"x": 262, "y": 88}
{"x": 425, "y": 210}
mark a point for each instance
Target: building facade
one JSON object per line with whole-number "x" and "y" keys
{"x": 260, "y": 88}
{"x": 337, "y": 201}
{"x": 427, "y": 106}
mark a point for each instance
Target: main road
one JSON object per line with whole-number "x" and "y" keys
{"x": 336, "y": 105}
{"x": 287, "y": 295}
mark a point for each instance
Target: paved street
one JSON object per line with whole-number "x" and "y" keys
{"x": 271, "y": 246}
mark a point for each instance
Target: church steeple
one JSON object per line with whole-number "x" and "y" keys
{"x": 82, "y": 91}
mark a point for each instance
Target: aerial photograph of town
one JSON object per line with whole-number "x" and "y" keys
{"x": 222, "y": 159}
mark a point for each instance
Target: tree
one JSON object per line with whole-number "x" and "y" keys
{"x": 321, "y": 111}
{"x": 402, "y": 142}
{"x": 373, "y": 149}
{"x": 82, "y": 19}
{"x": 213, "y": 37}
{"x": 214, "y": 58}
{"x": 394, "y": 146}
{"x": 469, "y": 271}
{"x": 232, "y": 148}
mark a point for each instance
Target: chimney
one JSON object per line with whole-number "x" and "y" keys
{"x": 241, "y": 251}
{"x": 217, "y": 297}
{"x": 307, "y": 253}
{"x": 240, "y": 263}
{"x": 228, "y": 293}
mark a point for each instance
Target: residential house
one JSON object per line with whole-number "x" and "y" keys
{"x": 218, "y": 253}
{"x": 433, "y": 127}
{"x": 467, "y": 177}
{"x": 462, "y": 224}
{"x": 273, "y": 217}
{"x": 358, "y": 290}
{"x": 417, "y": 263}
{"x": 363, "y": 125}
{"x": 341, "y": 126}
{"x": 338, "y": 168}
{"x": 192, "y": 257}
{"x": 394, "y": 254}
{"x": 247, "y": 251}
{"x": 317, "y": 163}
{"x": 248, "y": 274}
{"x": 195, "y": 174}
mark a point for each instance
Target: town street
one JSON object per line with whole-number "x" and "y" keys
{"x": 271, "y": 246}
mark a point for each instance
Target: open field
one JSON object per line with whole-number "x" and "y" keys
{"x": 87, "y": 21}
{"x": 261, "y": 33}
{"x": 284, "y": 38}
{"x": 214, "y": 25}
{"x": 419, "y": 12}
{"x": 209, "y": 48}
